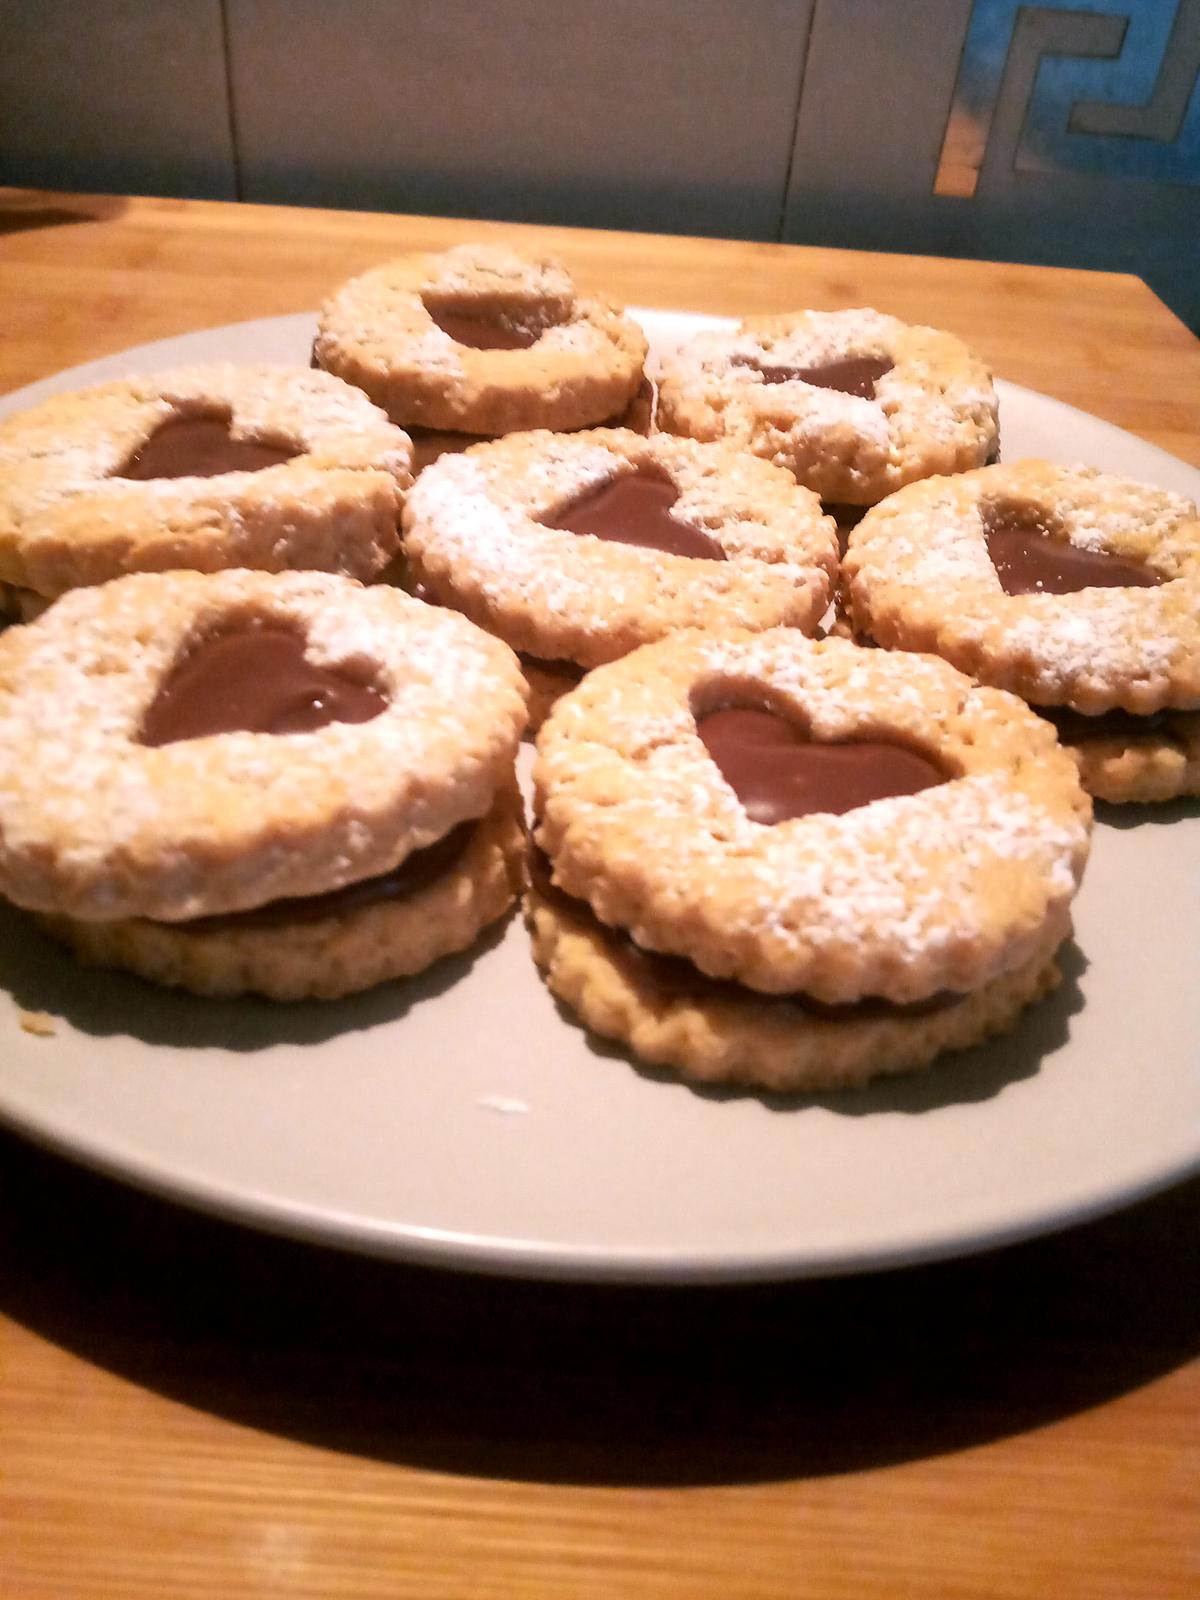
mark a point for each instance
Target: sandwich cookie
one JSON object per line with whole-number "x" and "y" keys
{"x": 796, "y": 864}
{"x": 289, "y": 785}
{"x": 1076, "y": 589}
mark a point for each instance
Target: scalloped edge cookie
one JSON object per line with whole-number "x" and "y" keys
{"x": 935, "y": 411}
{"x": 473, "y": 539}
{"x": 757, "y": 1042}
{"x": 917, "y": 576}
{"x": 329, "y": 957}
{"x": 66, "y": 522}
{"x": 376, "y": 331}
{"x": 902, "y": 899}
{"x": 97, "y": 826}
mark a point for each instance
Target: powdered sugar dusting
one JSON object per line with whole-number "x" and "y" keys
{"x": 71, "y": 445}
{"x": 471, "y": 269}
{"x": 923, "y": 890}
{"x": 934, "y": 397}
{"x": 920, "y": 561}
{"x": 75, "y": 687}
{"x": 478, "y": 517}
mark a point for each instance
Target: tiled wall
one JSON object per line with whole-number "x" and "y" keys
{"x": 1063, "y": 133}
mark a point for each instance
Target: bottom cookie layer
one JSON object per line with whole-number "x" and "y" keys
{"x": 759, "y": 1041}
{"x": 1133, "y": 766}
{"x": 332, "y": 956}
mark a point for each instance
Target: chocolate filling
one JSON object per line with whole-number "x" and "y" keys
{"x": 635, "y": 508}
{"x": 1032, "y": 556}
{"x": 855, "y": 375}
{"x": 416, "y": 872}
{"x": 1076, "y": 728}
{"x": 484, "y": 332}
{"x": 253, "y": 679}
{"x": 778, "y": 772}
{"x": 200, "y": 447}
{"x": 679, "y": 978}
{"x": 561, "y": 667}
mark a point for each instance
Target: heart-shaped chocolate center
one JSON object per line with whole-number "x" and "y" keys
{"x": 778, "y": 773}
{"x": 253, "y": 680}
{"x": 855, "y": 375}
{"x": 484, "y": 333}
{"x": 1030, "y": 559}
{"x": 635, "y": 508}
{"x": 200, "y": 447}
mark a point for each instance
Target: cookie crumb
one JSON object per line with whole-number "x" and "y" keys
{"x": 40, "y": 1023}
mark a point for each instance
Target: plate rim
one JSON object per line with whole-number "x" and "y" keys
{"x": 458, "y": 1249}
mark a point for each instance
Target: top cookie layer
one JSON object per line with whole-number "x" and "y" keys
{"x": 100, "y": 826}
{"x": 944, "y": 889}
{"x": 933, "y": 411}
{"x": 68, "y": 520}
{"x": 582, "y": 366}
{"x": 919, "y": 577}
{"x": 474, "y": 534}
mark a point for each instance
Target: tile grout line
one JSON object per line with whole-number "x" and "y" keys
{"x": 787, "y": 173}
{"x": 230, "y": 109}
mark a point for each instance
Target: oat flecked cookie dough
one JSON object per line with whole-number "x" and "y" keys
{"x": 204, "y": 467}
{"x": 855, "y": 403}
{"x": 481, "y": 340}
{"x": 576, "y": 549}
{"x": 1076, "y": 589}
{"x": 288, "y": 784}
{"x": 797, "y": 865}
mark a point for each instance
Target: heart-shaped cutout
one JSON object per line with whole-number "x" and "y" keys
{"x": 200, "y": 447}
{"x": 253, "y": 679}
{"x": 1030, "y": 559}
{"x": 635, "y": 508}
{"x": 855, "y": 375}
{"x": 479, "y": 332}
{"x": 778, "y": 773}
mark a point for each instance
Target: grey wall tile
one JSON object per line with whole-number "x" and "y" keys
{"x": 123, "y": 95}
{"x": 880, "y": 83}
{"x": 663, "y": 114}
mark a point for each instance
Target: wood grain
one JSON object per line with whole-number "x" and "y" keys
{"x": 105, "y": 274}
{"x": 190, "y": 1410}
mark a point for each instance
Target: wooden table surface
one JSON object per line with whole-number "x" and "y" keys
{"x": 191, "y": 1410}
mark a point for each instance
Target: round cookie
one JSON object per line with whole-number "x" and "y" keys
{"x": 798, "y": 864}
{"x": 481, "y": 340}
{"x": 205, "y": 467}
{"x": 526, "y": 536}
{"x": 1076, "y": 589}
{"x": 189, "y": 748}
{"x": 854, "y": 403}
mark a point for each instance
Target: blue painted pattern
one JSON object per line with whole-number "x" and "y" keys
{"x": 1125, "y": 102}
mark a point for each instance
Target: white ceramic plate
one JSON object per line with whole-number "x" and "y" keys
{"x": 461, "y": 1119}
